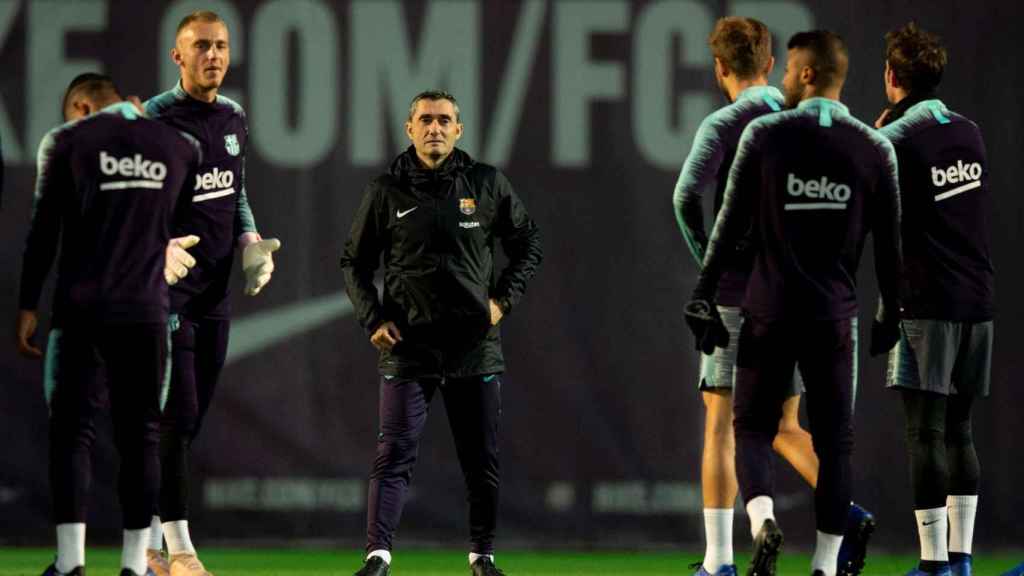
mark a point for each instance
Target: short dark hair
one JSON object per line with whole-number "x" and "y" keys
{"x": 198, "y": 16}
{"x": 828, "y": 49}
{"x": 92, "y": 85}
{"x": 433, "y": 95}
{"x": 916, "y": 57}
{"x": 742, "y": 44}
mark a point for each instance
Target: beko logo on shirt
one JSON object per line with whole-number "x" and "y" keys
{"x": 134, "y": 167}
{"x": 817, "y": 188}
{"x": 955, "y": 174}
{"x": 968, "y": 176}
{"x": 214, "y": 184}
{"x": 835, "y": 193}
{"x": 215, "y": 180}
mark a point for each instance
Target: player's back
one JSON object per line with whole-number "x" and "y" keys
{"x": 948, "y": 272}
{"x": 121, "y": 175}
{"x": 825, "y": 178}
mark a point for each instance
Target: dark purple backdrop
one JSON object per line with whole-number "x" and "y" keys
{"x": 589, "y": 108}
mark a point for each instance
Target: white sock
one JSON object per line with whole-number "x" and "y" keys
{"x": 931, "y": 527}
{"x": 961, "y": 522}
{"x": 760, "y": 509}
{"x": 718, "y": 533}
{"x": 133, "y": 554}
{"x": 178, "y": 541}
{"x": 70, "y": 546}
{"x": 156, "y": 534}
{"x": 826, "y": 553}
{"x": 382, "y": 554}
{"x": 473, "y": 557}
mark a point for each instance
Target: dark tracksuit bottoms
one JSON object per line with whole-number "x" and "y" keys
{"x": 134, "y": 359}
{"x": 198, "y": 351}
{"x": 473, "y": 405}
{"x": 825, "y": 351}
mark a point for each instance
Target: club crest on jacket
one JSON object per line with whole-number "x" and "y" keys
{"x": 231, "y": 143}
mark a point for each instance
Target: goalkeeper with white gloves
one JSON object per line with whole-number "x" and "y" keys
{"x": 220, "y": 216}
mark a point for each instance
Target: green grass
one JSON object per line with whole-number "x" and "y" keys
{"x": 301, "y": 562}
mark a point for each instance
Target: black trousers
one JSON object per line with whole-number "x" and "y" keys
{"x": 474, "y": 413}
{"x": 199, "y": 348}
{"x": 134, "y": 359}
{"x": 826, "y": 353}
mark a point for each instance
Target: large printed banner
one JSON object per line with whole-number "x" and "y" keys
{"x": 590, "y": 108}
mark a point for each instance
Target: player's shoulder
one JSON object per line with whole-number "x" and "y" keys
{"x": 767, "y": 124}
{"x": 923, "y": 117}
{"x": 753, "y": 103}
{"x": 870, "y": 134}
{"x": 159, "y": 105}
{"x": 231, "y": 106}
{"x": 55, "y": 136}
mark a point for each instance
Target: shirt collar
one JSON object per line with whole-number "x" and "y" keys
{"x": 180, "y": 94}
{"x": 124, "y": 108}
{"x": 826, "y": 108}
{"x": 760, "y": 93}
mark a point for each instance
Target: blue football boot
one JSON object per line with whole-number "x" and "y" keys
{"x": 944, "y": 571}
{"x": 860, "y": 524}
{"x": 726, "y": 570}
{"x": 1016, "y": 571}
{"x": 960, "y": 564}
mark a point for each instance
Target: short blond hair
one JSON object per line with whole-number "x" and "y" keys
{"x": 198, "y": 16}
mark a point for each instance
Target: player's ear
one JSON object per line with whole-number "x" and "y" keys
{"x": 721, "y": 68}
{"x": 408, "y": 130}
{"x": 771, "y": 65}
{"x": 458, "y": 130}
{"x": 890, "y": 77}
{"x": 808, "y": 75}
{"x": 83, "y": 107}
{"x": 176, "y": 56}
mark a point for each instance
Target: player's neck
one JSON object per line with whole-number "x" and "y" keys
{"x": 898, "y": 95}
{"x": 203, "y": 95}
{"x": 738, "y": 86}
{"x": 831, "y": 92}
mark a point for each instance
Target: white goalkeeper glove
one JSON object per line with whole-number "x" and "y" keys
{"x": 258, "y": 264}
{"x": 178, "y": 261}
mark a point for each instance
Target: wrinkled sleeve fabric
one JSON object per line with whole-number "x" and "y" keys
{"x": 245, "y": 222}
{"x": 885, "y": 227}
{"x": 697, "y": 177}
{"x": 361, "y": 257}
{"x": 520, "y": 239}
{"x": 53, "y": 179}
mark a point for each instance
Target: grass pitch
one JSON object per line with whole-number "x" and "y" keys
{"x": 307, "y": 562}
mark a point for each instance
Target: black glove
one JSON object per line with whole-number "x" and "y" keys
{"x": 706, "y": 324}
{"x": 884, "y": 335}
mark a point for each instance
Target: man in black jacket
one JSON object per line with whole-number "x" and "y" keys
{"x": 435, "y": 215}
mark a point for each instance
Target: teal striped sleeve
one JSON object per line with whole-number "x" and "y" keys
{"x": 697, "y": 176}
{"x": 245, "y": 222}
